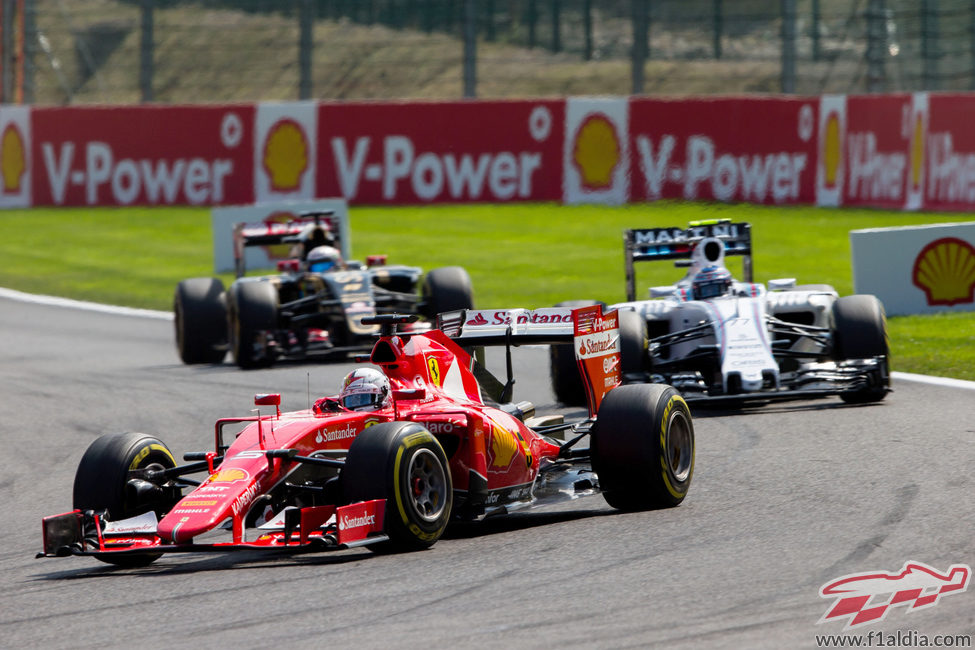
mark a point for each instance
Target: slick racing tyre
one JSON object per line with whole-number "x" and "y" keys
{"x": 447, "y": 289}
{"x": 642, "y": 447}
{"x": 252, "y": 312}
{"x": 200, "y": 318}
{"x": 101, "y": 483}
{"x": 403, "y": 463}
{"x": 860, "y": 332}
{"x": 564, "y": 372}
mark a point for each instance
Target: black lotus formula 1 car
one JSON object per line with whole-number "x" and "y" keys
{"x": 314, "y": 307}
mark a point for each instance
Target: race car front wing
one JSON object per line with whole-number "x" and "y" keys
{"x": 293, "y": 530}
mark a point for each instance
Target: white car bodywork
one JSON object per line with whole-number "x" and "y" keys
{"x": 754, "y": 341}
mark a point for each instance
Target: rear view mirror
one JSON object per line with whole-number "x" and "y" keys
{"x": 269, "y": 399}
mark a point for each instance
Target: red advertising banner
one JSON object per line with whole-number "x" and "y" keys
{"x": 492, "y": 151}
{"x": 755, "y": 150}
{"x": 950, "y": 153}
{"x": 876, "y": 147}
{"x": 153, "y": 155}
{"x": 903, "y": 151}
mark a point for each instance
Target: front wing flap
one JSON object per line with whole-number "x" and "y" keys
{"x": 813, "y": 381}
{"x": 318, "y": 528}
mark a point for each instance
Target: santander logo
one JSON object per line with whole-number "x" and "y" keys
{"x": 350, "y": 521}
{"x": 478, "y": 320}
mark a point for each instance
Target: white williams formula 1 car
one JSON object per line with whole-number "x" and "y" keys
{"x": 716, "y": 339}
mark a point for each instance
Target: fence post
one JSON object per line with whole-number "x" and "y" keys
{"x": 427, "y": 16}
{"x": 814, "y": 27}
{"x": 532, "y": 19}
{"x": 718, "y": 23}
{"x": 146, "y": 51}
{"x": 306, "y": 21}
{"x": 470, "y": 49}
{"x": 876, "y": 45}
{"x": 587, "y": 29}
{"x": 971, "y": 46}
{"x": 788, "y": 80}
{"x": 490, "y": 34}
{"x": 556, "y": 31}
{"x": 30, "y": 49}
{"x": 6, "y": 51}
{"x": 930, "y": 50}
{"x": 639, "y": 54}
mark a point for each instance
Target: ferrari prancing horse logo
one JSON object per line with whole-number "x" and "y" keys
{"x": 434, "y": 366}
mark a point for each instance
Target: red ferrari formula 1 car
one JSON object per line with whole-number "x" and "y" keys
{"x": 393, "y": 458}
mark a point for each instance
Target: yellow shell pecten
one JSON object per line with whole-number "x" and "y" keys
{"x": 917, "y": 152}
{"x": 832, "y": 149}
{"x": 285, "y": 155}
{"x": 503, "y": 447}
{"x": 597, "y": 152}
{"x": 945, "y": 271}
{"x": 12, "y": 158}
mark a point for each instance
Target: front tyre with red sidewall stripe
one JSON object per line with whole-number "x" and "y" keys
{"x": 642, "y": 447}
{"x": 403, "y": 463}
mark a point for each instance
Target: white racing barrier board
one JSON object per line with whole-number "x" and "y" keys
{"x": 916, "y": 269}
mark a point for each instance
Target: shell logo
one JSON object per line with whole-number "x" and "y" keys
{"x": 917, "y": 152}
{"x": 285, "y": 155}
{"x": 945, "y": 271}
{"x": 228, "y": 476}
{"x": 596, "y": 153}
{"x": 13, "y": 159}
{"x": 503, "y": 447}
{"x": 832, "y": 149}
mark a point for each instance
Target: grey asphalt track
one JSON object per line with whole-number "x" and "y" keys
{"x": 785, "y": 498}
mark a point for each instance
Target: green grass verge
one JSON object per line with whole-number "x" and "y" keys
{"x": 530, "y": 255}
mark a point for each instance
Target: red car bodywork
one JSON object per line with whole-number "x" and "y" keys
{"x": 494, "y": 456}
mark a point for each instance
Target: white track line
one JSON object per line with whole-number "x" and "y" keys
{"x": 165, "y": 315}
{"x": 937, "y": 381}
{"x": 80, "y": 304}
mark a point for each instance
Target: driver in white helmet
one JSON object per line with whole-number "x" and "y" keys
{"x": 365, "y": 389}
{"x": 322, "y": 259}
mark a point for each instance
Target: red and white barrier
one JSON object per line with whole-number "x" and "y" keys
{"x": 901, "y": 151}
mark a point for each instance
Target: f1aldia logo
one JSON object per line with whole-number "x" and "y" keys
{"x": 864, "y": 598}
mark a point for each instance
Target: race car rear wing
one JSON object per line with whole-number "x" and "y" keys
{"x": 319, "y": 228}
{"x": 654, "y": 244}
{"x": 593, "y": 335}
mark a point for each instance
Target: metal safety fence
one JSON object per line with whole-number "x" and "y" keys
{"x": 186, "y": 51}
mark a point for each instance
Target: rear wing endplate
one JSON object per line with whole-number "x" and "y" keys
{"x": 654, "y": 244}
{"x": 593, "y": 335}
